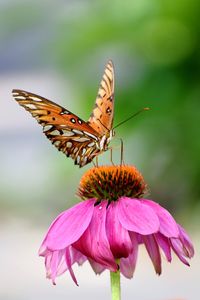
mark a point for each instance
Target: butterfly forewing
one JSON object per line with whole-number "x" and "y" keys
{"x": 101, "y": 118}
{"x": 67, "y": 132}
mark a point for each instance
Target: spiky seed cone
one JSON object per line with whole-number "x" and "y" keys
{"x": 111, "y": 183}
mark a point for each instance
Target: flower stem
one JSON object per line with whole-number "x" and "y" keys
{"x": 115, "y": 285}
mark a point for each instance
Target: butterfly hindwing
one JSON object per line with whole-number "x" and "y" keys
{"x": 101, "y": 118}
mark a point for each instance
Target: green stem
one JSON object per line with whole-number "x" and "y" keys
{"x": 115, "y": 285}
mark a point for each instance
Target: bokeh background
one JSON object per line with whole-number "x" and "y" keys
{"x": 58, "y": 49}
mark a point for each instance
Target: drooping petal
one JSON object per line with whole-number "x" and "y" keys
{"x": 178, "y": 248}
{"x": 69, "y": 265}
{"x": 186, "y": 242}
{"x": 118, "y": 236}
{"x": 153, "y": 251}
{"x": 62, "y": 266}
{"x": 168, "y": 225}
{"x": 77, "y": 256}
{"x": 127, "y": 265}
{"x": 97, "y": 268}
{"x": 136, "y": 216}
{"x": 68, "y": 226}
{"x": 164, "y": 244}
{"x": 53, "y": 260}
{"x": 94, "y": 242}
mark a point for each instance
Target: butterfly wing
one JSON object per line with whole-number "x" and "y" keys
{"x": 101, "y": 119}
{"x": 70, "y": 134}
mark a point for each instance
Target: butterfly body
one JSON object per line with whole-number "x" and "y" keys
{"x": 80, "y": 140}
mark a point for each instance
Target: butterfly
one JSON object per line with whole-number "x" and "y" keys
{"x": 78, "y": 139}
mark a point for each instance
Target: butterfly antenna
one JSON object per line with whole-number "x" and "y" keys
{"x": 137, "y": 113}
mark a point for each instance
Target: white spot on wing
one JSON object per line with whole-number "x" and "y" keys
{"x": 91, "y": 135}
{"x": 83, "y": 151}
{"x": 47, "y": 127}
{"x": 91, "y": 144}
{"x": 65, "y": 112}
{"x": 73, "y": 120}
{"x": 55, "y": 132}
{"x": 56, "y": 143}
{"x": 77, "y": 131}
{"x": 69, "y": 144}
{"x": 78, "y": 159}
{"x": 80, "y": 139}
{"x": 19, "y": 97}
{"x": 35, "y": 99}
{"x": 29, "y": 105}
{"x": 67, "y": 132}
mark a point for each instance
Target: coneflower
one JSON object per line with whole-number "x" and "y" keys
{"x": 107, "y": 227}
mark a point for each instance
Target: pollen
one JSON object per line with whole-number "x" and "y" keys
{"x": 111, "y": 183}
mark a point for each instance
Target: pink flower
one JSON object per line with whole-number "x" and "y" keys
{"x": 108, "y": 232}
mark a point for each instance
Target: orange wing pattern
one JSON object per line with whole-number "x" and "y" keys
{"x": 65, "y": 130}
{"x": 80, "y": 140}
{"x": 101, "y": 118}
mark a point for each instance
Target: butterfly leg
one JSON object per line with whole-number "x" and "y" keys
{"x": 122, "y": 153}
{"x": 111, "y": 156}
{"x": 94, "y": 164}
{"x": 97, "y": 163}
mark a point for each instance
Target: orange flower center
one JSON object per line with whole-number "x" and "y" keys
{"x": 111, "y": 183}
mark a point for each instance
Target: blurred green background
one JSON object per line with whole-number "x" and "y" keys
{"x": 58, "y": 49}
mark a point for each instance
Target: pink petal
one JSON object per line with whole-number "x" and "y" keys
{"x": 127, "y": 265}
{"x": 61, "y": 265}
{"x": 94, "y": 242}
{"x": 48, "y": 265}
{"x": 118, "y": 237}
{"x": 139, "y": 239}
{"x": 69, "y": 264}
{"x": 153, "y": 251}
{"x": 55, "y": 260}
{"x": 136, "y": 216}
{"x": 77, "y": 257}
{"x": 68, "y": 226}
{"x": 164, "y": 244}
{"x": 186, "y": 242}
{"x": 178, "y": 248}
{"x": 97, "y": 268}
{"x": 168, "y": 226}
{"x": 52, "y": 262}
